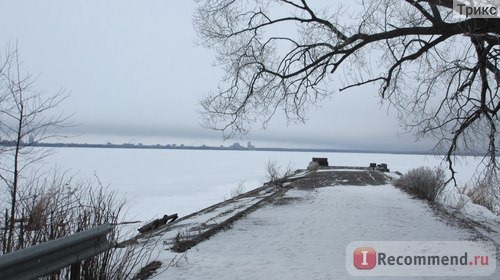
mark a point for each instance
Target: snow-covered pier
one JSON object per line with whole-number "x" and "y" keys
{"x": 298, "y": 230}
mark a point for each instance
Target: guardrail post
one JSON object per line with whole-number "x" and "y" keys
{"x": 75, "y": 271}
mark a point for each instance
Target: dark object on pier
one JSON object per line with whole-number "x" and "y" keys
{"x": 321, "y": 161}
{"x": 382, "y": 167}
{"x": 157, "y": 223}
{"x": 373, "y": 166}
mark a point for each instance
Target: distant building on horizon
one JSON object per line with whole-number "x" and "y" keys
{"x": 250, "y": 146}
{"x": 236, "y": 146}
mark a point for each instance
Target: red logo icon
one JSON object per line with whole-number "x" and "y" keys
{"x": 365, "y": 258}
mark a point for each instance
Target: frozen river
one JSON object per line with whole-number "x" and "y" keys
{"x": 156, "y": 182}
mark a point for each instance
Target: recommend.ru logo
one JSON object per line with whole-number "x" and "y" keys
{"x": 420, "y": 258}
{"x": 365, "y": 258}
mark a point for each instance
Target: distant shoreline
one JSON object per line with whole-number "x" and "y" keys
{"x": 220, "y": 148}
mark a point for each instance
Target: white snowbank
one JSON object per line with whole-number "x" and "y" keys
{"x": 453, "y": 198}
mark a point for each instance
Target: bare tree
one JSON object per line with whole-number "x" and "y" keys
{"x": 27, "y": 116}
{"x": 40, "y": 204}
{"x": 439, "y": 70}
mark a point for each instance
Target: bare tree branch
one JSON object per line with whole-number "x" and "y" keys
{"x": 441, "y": 72}
{"x": 26, "y": 118}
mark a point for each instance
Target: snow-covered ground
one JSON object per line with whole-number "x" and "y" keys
{"x": 156, "y": 182}
{"x": 303, "y": 240}
{"x": 307, "y": 238}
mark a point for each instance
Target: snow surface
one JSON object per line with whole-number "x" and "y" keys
{"x": 307, "y": 239}
{"x": 483, "y": 220}
{"x": 200, "y": 222}
{"x": 303, "y": 240}
{"x": 158, "y": 182}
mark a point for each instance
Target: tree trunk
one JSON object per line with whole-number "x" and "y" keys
{"x": 15, "y": 180}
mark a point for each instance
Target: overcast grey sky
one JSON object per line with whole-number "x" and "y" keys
{"x": 135, "y": 74}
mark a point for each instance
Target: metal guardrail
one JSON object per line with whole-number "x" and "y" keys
{"x": 45, "y": 258}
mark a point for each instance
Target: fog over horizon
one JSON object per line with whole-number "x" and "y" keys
{"x": 135, "y": 74}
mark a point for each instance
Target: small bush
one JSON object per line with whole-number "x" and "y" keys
{"x": 148, "y": 271}
{"x": 183, "y": 241}
{"x": 481, "y": 194}
{"x": 238, "y": 190}
{"x": 275, "y": 175}
{"x": 423, "y": 181}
